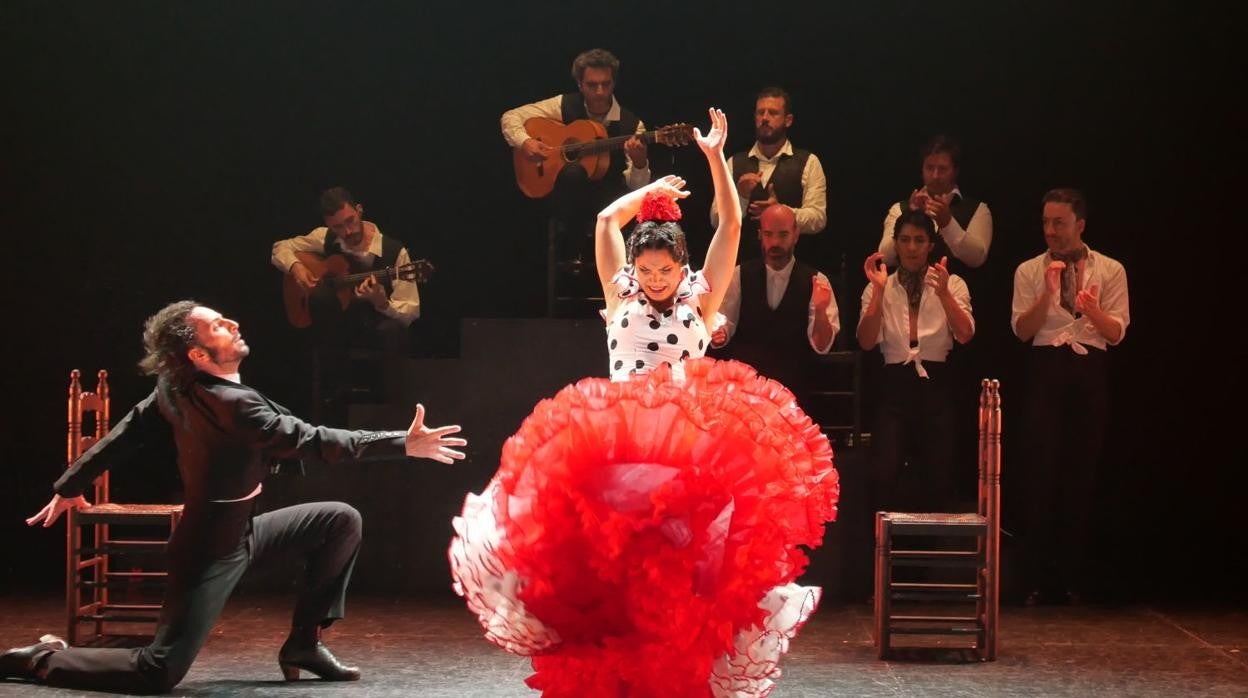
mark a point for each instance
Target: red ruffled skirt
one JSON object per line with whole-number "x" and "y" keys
{"x": 641, "y": 538}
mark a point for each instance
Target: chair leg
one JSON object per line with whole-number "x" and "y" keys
{"x": 71, "y": 578}
{"x": 101, "y": 571}
{"x": 882, "y": 573}
{"x": 552, "y": 263}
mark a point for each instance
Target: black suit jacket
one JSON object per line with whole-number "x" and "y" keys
{"x": 226, "y": 437}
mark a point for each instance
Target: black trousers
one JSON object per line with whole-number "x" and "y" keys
{"x": 1064, "y": 420}
{"x": 324, "y": 535}
{"x": 915, "y": 429}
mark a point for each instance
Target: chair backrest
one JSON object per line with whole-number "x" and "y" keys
{"x": 88, "y": 404}
{"x": 838, "y": 396}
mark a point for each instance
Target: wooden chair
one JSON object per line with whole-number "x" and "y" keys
{"x": 837, "y": 397}
{"x": 944, "y": 544}
{"x": 114, "y": 584}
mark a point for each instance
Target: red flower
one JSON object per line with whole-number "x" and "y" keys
{"x": 657, "y": 206}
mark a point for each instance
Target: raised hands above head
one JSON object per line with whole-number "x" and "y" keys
{"x": 714, "y": 139}
{"x": 671, "y": 186}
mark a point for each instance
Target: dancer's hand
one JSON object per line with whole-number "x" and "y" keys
{"x": 713, "y": 141}
{"x": 54, "y": 508}
{"x": 432, "y": 442}
{"x": 671, "y": 186}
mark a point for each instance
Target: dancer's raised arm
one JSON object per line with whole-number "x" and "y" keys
{"x": 721, "y": 255}
{"x": 609, "y": 252}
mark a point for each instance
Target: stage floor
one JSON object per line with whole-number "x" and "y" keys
{"x": 429, "y": 648}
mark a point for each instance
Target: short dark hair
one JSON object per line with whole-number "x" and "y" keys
{"x": 333, "y": 199}
{"x": 1068, "y": 195}
{"x": 773, "y": 91}
{"x": 941, "y": 144}
{"x": 167, "y": 337}
{"x": 595, "y": 58}
{"x": 659, "y": 235}
{"x": 918, "y": 219}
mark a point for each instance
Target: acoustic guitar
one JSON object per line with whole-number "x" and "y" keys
{"x": 584, "y": 141}
{"x": 335, "y": 270}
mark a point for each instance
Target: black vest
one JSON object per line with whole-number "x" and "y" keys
{"x": 774, "y": 342}
{"x": 390, "y": 248}
{"x": 572, "y": 108}
{"x": 787, "y": 180}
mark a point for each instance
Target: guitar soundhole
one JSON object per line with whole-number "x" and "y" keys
{"x": 571, "y": 150}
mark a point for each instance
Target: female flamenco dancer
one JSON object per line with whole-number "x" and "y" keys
{"x": 640, "y": 537}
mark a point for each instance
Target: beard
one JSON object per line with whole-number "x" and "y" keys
{"x": 779, "y": 256}
{"x": 769, "y": 136}
{"x": 224, "y": 355}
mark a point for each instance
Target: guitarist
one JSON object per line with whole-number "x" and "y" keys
{"x": 381, "y": 311}
{"x": 576, "y": 200}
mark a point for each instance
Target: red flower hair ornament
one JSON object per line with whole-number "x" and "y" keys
{"x": 656, "y": 206}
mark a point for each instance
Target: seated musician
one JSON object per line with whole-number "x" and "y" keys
{"x": 576, "y": 200}
{"x": 381, "y": 308}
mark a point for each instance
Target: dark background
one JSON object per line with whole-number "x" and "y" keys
{"x": 154, "y": 151}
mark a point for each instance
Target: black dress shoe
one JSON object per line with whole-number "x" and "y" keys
{"x": 316, "y": 659}
{"x": 23, "y": 662}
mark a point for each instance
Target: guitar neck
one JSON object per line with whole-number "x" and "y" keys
{"x": 613, "y": 142}
{"x": 353, "y": 279}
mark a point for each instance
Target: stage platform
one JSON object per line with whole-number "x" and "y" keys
{"x": 431, "y": 647}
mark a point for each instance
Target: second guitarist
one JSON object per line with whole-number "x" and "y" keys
{"x": 379, "y": 315}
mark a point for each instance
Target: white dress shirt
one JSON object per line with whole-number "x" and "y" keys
{"x": 404, "y": 304}
{"x": 812, "y": 215}
{"x": 513, "y": 120}
{"x": 969, "y": 245}
{"x": 934, "y": 333}
{"x": 1060, "y": 326}
{"x": 777, "y": 283}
